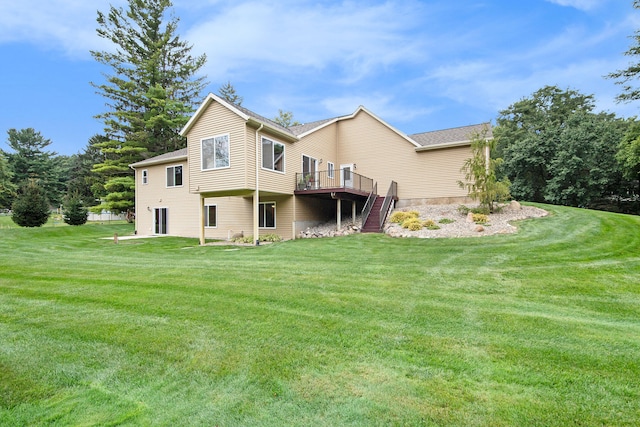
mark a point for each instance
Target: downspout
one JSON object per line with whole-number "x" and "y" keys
{"x": 256, "y": 196}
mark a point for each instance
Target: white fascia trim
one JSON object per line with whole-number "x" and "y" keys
{"x": 355, "y": 113}
{"x": 323, "y": 125}
{"x": 289, "y": 137}
{"x": 152, "y": 162}
{"x": 445, "y": 145}
{"x": 210, "y": 97}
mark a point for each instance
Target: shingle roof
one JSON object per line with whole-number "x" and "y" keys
{"x": 263, "y": 119}
{"x": 306, "y": 127}
{"x": 449, "y": 136}
{"x": 162, "y": 158}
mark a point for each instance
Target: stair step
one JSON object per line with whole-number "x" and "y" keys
{"x": 374, "y": 217}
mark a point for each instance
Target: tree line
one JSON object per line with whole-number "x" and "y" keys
{"x": 553, "y": 146}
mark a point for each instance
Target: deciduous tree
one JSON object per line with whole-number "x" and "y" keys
{"x": 557, "y": 150}
{"x": 527, "y": 137}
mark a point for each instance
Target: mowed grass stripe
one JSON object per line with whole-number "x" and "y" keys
{"x": 535, "y": 328}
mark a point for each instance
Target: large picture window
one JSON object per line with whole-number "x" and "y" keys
{"x": 272, "y": 155}
{"x": 267, "y": 213}
{"x": 210, "y": 216}
{"x": 215, "y": 152}
{"x": 174, "y": 176}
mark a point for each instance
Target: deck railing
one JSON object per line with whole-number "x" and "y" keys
{"x": 392, "y": 194}
{"x": 322, "y": 180}
{"x": 369, "y": 204}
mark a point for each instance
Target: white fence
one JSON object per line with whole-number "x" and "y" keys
{"x": 105, "y": 216}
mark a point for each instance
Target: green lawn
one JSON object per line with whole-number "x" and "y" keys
{"x": 538, "y": 328}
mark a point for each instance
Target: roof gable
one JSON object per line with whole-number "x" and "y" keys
{"x": 450, "y": 137}
{"x": 306, "y": 129}
{"x": 244, "y": 113}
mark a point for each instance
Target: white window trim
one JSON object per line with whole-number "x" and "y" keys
{"x": 284, "y": 154}
{"x": 214, "y": 160}
{"x": 206, "y": 208}
{"x": 331, "y": 170}
{"x": 166, "y": 220}
{"x": 174, "y": 176}
{"x": 275, "y": 216}
{"x": 145, "y": 176}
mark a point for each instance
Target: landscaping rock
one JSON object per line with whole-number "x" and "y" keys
{"x": 462, "y": 225}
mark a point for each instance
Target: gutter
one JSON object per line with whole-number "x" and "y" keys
{"x": 445, "y": 145}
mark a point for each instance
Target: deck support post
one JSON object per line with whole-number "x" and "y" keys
{"x": 293, "y": 226}
{"x": 339, "y": 214}
{"x": 353, "y": 212}
{"x": 256, "y": 216}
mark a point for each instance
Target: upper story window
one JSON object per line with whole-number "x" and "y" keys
{"x": 174, "y": 176}
{"x": 330, "y": 169}
{"x": 145, "y": 176}
{"x": 272, "y": 155}
{"x": 215, "y": 152}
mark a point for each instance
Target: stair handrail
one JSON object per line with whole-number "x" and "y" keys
{"x": 366, "y": 210}
{"x": 392, "y": 194}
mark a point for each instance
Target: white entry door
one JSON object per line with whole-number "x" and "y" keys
{"x": 346, "y": 175}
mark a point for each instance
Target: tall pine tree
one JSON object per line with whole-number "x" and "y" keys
{"x": 30, "y": 159}
{"x": 151, "y": 91}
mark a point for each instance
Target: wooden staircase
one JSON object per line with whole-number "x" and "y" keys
{"x": 373, "y": 222}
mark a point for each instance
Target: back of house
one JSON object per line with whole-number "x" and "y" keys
{"x": 242, "y": 173}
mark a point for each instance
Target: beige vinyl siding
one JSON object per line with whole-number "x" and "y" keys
{"x": 320, "y": 145}
{"x": 284, "y": 216}
{"x": 182, "y": 207}
{"x": 275, "y": 181}
{"x": 383, "y": 155}
{"x": 218, "y": 120}
{"x": 235, "y": 215}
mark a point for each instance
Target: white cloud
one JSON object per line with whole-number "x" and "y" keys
{"x": 354, "y": 38}
{"x": 579, "y": 4}
{"x": 66, "y": 25}
{"x": 384, "y": 106}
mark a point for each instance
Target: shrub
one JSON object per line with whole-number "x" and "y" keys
{"x": 74, "y": 212}
{"x": 270, "y": 238}
{"x": 31, "y": 206}
{"x": 264, "y": 238}
{"x": 401, "y": 216}
{"x": 428, "y": 223}
{"x": 413, "y": 224}
{"x": 481, "y": 210}
{"x": 463, "y": 210}
{"x": 480, "y": 218}
{"x": 447, "y": 221}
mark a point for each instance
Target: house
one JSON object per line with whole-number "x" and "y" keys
{"x": 242, "y": 172}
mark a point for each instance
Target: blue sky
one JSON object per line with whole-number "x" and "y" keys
{"x": 419, "y": 65}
